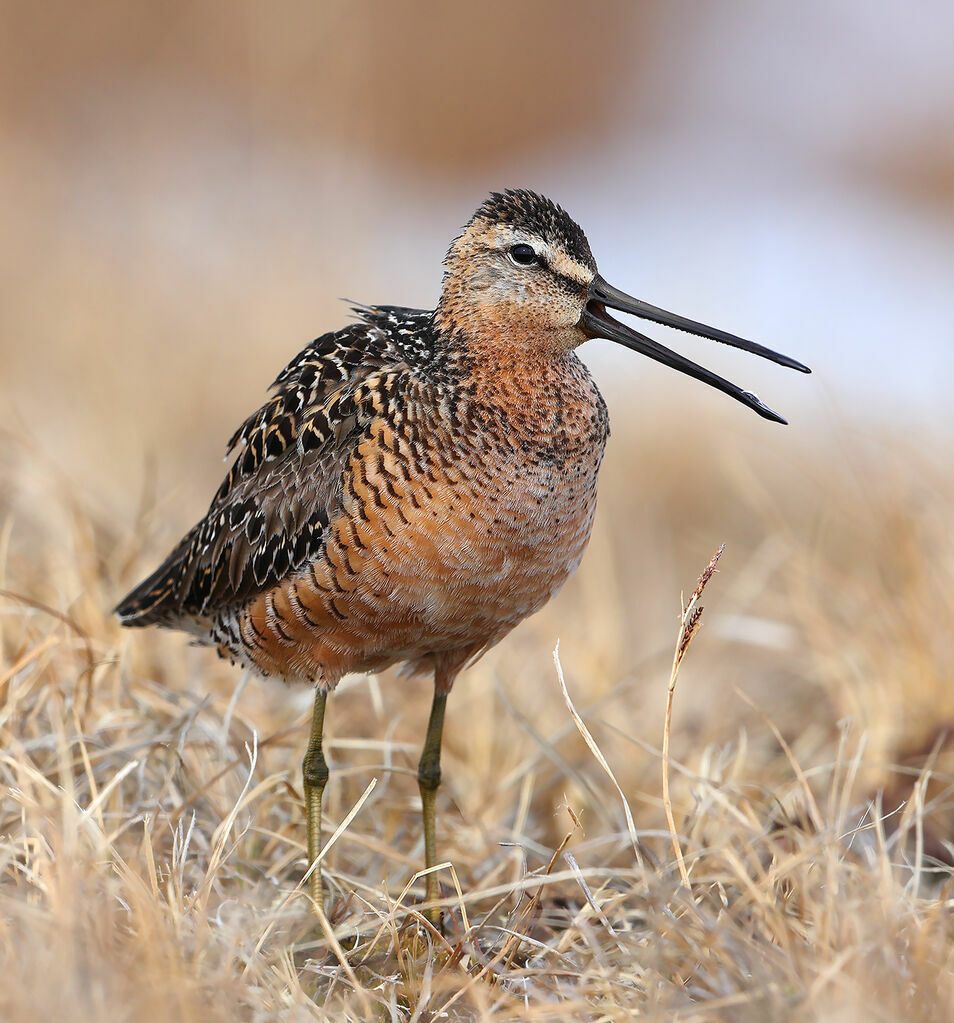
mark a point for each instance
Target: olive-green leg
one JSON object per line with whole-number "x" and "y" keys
{"x": 314, "y": 775}
{"x": 428, "y": 780}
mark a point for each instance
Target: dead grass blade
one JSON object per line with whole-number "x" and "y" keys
{"x": 598, "y": 754}
{"x": 688, "y": 625}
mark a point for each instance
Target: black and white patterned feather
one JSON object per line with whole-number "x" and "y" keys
{"x": 269, "y": 516}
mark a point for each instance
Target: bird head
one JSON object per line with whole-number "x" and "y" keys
{"x": 521, "y": 275}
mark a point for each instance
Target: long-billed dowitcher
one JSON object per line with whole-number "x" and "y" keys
{"x": 419, "y": 482}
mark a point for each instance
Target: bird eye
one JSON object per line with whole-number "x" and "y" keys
{"x": 523, "y": 255}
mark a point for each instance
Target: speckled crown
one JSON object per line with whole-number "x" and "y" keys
{"x": 533, "y": 212}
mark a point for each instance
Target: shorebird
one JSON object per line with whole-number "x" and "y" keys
{"x": 419, "y": 482}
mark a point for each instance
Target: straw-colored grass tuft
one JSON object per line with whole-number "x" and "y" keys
{"x": 796, "y": 865}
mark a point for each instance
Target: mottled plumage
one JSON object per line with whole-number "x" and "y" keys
{"x": 383, "y": 478}
{"x": 419, "y": 482}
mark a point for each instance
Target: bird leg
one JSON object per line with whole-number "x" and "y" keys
{"x": 428, "y": 780}
{"x": 314, "y": 775}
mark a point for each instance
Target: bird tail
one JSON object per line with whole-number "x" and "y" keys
{"x": 157, "y": 599}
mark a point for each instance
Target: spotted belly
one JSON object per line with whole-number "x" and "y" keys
{"x": 431, "y": 555}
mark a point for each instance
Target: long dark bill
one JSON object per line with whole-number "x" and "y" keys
{"x": 597, "y": 322}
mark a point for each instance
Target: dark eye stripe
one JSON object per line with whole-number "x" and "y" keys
{"x": 569, "y": 285}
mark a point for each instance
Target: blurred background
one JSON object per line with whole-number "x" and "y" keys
{"x": 187, "y": 192}
{"x": 190, "y": 189}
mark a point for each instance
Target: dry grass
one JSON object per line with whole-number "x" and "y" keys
{"x": 151, "y": 837}
{"x": 194, "y": 185}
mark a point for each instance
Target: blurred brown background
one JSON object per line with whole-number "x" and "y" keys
{"x": 188, "y": 188}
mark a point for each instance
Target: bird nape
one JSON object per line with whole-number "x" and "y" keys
{"x": 418, "y": 482}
